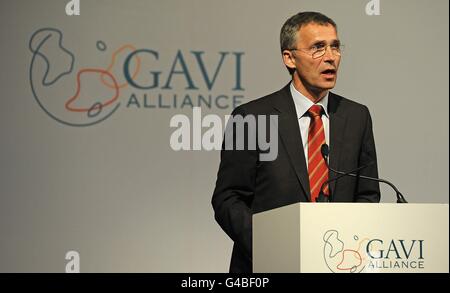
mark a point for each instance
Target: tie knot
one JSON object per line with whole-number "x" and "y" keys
{"x": 315, "y": 110}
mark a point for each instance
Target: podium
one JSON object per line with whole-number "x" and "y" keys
{"x": 352, "y": 238}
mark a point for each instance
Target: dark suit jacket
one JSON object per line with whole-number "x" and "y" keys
{"x": 245, "y": 185}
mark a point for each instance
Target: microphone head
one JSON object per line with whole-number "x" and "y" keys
{"x": 324, "y": 150}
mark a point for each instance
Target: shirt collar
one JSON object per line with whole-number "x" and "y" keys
{"x": 302, "y": 103}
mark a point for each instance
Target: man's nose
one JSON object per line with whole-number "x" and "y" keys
{"x": 329, "y": 55}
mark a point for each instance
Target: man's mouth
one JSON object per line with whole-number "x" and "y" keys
{"x": 329, "y": 73}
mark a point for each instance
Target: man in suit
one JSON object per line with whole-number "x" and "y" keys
{"x": 309, "y": 115}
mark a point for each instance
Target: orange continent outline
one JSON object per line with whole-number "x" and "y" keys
{"x": 113, "y": 61}
{"x": 92, "y": 70}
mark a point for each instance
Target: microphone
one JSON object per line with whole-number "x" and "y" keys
{"x": 322, "y": 197}
{"x": 325, "y": 152}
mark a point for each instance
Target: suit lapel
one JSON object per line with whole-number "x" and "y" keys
{"x": 289, "y": 132}
{"x": 337, "y": 128}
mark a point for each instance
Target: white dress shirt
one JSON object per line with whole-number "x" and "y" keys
{"x": 302, "y": 105}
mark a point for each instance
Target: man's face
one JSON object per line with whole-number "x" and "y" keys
{"x": 314, "y": 74}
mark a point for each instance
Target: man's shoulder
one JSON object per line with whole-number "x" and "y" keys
{"x": 341, "y": 104}
{"x": 266, "y": 104}
{"x": 262, "y": 105}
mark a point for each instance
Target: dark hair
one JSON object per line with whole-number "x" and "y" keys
{"x": 289, "y": 31}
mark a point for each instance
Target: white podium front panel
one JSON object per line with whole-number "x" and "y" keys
{"x": 352, "y": 238}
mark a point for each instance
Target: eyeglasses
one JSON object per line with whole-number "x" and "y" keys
{"x": 318, "y": 51}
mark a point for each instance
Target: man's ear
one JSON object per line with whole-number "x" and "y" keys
{"x": 289, "y": 59}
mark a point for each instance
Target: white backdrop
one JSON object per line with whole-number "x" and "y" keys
{"x": 115, "y": 191}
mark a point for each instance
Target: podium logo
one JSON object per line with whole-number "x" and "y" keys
{"x": 395, "y": 254}
{"x": 370, "y": 255}
{"x": 341, "y": 258}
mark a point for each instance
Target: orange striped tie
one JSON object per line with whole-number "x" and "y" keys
{"x": 317, "y": 169}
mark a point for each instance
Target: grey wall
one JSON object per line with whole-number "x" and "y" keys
{"x": 118, "y": 194}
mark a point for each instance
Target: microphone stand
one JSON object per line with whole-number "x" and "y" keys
{"x": 325, "y": 151}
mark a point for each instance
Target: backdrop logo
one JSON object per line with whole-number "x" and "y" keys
{"x": 137, "y": 78}
{"x": 371, "y": 255}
